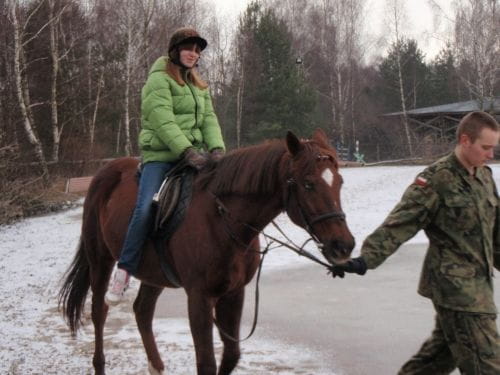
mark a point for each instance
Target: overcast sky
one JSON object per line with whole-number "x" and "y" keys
{"x": 422, "y": 25}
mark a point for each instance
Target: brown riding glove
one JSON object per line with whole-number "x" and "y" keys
{"x": 216, "y": 154}
{"x": 195, "y": 158}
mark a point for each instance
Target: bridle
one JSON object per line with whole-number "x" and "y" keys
{"x": 309, "y": 221}
{"x": 226, "y": 217}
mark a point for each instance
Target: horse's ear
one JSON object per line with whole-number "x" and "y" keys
{"x": 293, "y": 143}
{"x": 321, "y": 138}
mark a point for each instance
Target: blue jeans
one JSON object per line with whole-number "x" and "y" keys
{"x": 139, "y": 226}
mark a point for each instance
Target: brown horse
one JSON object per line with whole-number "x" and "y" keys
{"x": 213, "y": 256}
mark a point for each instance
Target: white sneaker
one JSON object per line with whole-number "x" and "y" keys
{"x": 117, "y": 287}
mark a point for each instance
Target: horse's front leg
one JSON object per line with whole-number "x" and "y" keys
{"x": 144, "y": 308}
{"x": 228, "y": 314}
{"x": 200, "y": 309}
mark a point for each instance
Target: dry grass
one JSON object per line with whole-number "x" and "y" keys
{"x": 28, "y": 197}
{"x": 23, "y": 195}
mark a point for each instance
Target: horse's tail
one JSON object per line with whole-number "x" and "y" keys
{"x": 91, "y": 250}
{"x": 75, "y": 288}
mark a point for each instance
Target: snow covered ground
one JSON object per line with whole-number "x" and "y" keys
{"x": 35, "y": 253}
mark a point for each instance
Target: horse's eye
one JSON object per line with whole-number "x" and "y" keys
{"x": 309, "y": 186}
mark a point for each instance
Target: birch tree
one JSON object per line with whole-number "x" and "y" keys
{"x": 396, "y": 12}
{"x": 99, "y": 39}
{"x": 245, "y": 64}
{"x": 22, "y": 88}
{"x": 216, "y": 67}
{"x": 137, "y": 18}
{"x": 6, "y": 103}
{"x": 54, "y": 54}
{"x": 131, "y": 45}
{"x": 54, "y": 25}
{"x": 477, "y": 44}
{"x": 147, "y": 9}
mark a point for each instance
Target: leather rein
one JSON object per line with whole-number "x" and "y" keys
{"x": 300, "y": 250}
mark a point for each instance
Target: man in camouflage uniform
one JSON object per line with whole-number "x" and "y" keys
{"x": 455, "y": 201}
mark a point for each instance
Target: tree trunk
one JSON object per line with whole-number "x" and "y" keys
{"x": 128, "y": 68}
{"x": 403, "y": 105}
{"x": 22, "y": 93}
{"x": 332, "y": 106}
{"x": 397, "y": 14}
{"x": 54, "y": 53}
{"x": 89, "y": 93}
{"x": 341, "y": 112}
{"x": 476, "y": 43}
{"x": 100, "y": 85}
{"x": 126, "y": 124}
{"x": 351, "y": 106}
{"x": 118, "y": 136}
{"x": 239, "y": 105}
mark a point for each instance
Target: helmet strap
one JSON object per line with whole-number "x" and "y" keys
{"x": 177, "y": 62}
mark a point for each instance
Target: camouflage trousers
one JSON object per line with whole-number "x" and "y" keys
{"x": 468, "y": 341}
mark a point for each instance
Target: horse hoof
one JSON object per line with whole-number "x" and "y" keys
{"x": 154, "y": 371}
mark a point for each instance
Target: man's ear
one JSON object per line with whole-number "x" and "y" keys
{"x": 464, "y": 140}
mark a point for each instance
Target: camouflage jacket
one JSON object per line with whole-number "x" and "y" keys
{"x": 460, "y": 216}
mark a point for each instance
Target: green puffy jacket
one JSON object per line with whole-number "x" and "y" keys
{"x": 175, "y": 117}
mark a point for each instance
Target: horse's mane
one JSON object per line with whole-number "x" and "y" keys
{"x": 259, "y": 169}
{"x": 248, "y": 170}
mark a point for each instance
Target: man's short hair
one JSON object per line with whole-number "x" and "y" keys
{"x": 473, "y": 122}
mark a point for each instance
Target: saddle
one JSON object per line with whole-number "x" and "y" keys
{"x": 171, "y": 201}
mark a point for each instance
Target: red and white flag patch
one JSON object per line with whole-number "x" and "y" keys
{"x": 421, "y": 181}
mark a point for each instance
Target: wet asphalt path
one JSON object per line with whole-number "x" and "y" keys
{"x": 358, "y": 325}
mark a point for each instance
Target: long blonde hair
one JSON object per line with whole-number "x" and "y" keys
{"x": 175, "y": 71}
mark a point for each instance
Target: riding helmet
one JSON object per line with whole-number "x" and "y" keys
{"x": 186, "y": 35}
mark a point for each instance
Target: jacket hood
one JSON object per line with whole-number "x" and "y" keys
{"x": 160, "y": 65}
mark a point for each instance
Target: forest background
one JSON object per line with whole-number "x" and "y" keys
{"x": 71, "y": 73}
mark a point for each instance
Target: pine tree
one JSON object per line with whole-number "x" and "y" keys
{"x": 415, "y": 74}
{"x": 443, "y": 82}
{"x": 276, "y": 96}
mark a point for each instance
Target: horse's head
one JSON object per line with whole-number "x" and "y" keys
{"x": 312, "y": 194}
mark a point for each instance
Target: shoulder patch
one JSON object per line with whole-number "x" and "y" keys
{"x": 421, "y": 181}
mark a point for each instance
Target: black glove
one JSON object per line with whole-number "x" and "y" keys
{"x": 195, "y": 158}
{"x": 216, "y": 154}
{"x": 354, "y": 265}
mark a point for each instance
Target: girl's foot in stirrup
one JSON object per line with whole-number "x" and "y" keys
{"x": 117, "y": 286}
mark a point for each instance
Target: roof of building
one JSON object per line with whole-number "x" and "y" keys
{"x": 491, "y": 105}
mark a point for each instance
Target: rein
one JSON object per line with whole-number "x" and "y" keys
{"x": 226, "y": 216}
{"x": 256, "y": 304}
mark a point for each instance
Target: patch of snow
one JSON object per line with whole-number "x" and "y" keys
{"x": 35, "y": 253}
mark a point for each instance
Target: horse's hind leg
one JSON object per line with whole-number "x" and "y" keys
{"x": 144, "y": 308}
{"x": 228, "y": 314}
{"x": 100, "y": 275}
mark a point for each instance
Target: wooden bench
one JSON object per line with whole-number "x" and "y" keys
{"x": 78, "y": 184}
